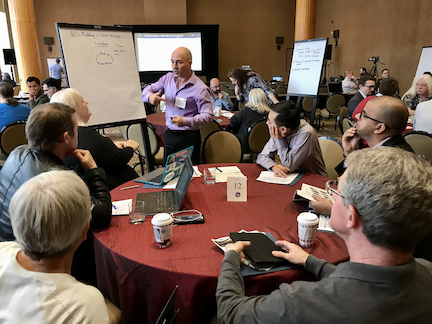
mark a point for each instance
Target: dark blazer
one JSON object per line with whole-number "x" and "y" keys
{"x": 242, "y": 121}
{"x": 353, "y": 102}
{"x": 395, "y": 141}
{"x": 398, "y": 141}
{"x": 106, "y": 155}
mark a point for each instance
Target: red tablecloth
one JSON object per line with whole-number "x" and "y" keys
{"x": 158, "y": 122}
{"x": 139, "y": 277}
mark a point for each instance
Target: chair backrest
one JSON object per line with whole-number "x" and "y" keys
{"x": 12, "y": 135}
{"x": 222, "y": 146}
{"x": 206, "y": 129}
{"x": 334, "y": 102}
{"x": 307, "y": 104}
{"x": 421, "y": 143}
{"x": 258, "y": 136}
{"x": 343, "y": 112}
{"x": 347, "y": 123}
{"x": 241, "y": 105}
{"x": 134, "y": 133}
{"x": 282, "y": 91}
{"x": 332, "y": 153}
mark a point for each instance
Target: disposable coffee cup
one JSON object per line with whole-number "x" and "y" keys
{"x": 162, "y": 228}
{"x": 218, "y": 111}
{"x": 307, "y": 228}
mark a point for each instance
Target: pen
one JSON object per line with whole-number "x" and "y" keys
{"x": 218, "y": 169}
{"x": 279, "y": 168}
{"x": 130, "y": 187}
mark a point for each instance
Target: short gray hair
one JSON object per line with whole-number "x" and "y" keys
{"x": 391, "y": 190}
{"x": 49, "y": 212}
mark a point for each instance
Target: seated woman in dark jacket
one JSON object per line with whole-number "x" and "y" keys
{"x": 112, "y": 157}
{"x": 255, "y": 110}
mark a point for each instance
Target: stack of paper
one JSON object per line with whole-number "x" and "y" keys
{"x": 227, "y": 114}
{"x": 307, "y": 191}
{"x": 222, "y": 173}
{"x": 269, "y": 176}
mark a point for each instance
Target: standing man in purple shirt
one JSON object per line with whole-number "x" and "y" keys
{"x": 188, "y": 104}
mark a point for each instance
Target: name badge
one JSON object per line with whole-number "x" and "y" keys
{"x": 236, "y": 189}
{"x": 180, "y": 102}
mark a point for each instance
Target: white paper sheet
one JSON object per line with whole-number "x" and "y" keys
{"x": 269, "y": 176}
{"x": 121, "y": 207}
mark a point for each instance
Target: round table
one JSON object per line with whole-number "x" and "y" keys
{"x": 159, "y": 123}
{"x": 139, "y": 277}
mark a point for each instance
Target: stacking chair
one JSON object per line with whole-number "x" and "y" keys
{"x": 206, "y": 129}
{"x": 343, "y": 111}
{"x": 347, "y": 123}
{"x": 307, "y": 107}
{"x": 332, "y": 153}
{"x": 281, "y": 92}
{"x": 222, "y": 146}
{"x": 421, "y": 143}
{"x": 333, "y": 104}
{"x": 258, "y": 137}
{"x": 11, "y": 136}
{"x": 134, "y": 133}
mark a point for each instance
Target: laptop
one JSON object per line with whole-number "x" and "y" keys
{"x": 173, "y": 165}
{"x": 169, "y": 313}
{"x": 168, "y": 201}
{"x": 334, "y": 87}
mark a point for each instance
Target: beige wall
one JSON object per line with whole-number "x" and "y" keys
{"x": 247, "y": 32}
{"x": 246, "y": 36}
{"x": 394, "y": 30}
{"x": 95, "y": 12}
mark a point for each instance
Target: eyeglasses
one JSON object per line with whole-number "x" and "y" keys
{"x": 363, "y": 114}
{"x": 331, "y": 187}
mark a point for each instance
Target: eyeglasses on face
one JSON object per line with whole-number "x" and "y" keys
{"x": 363, "y": 114}
{"x": 331, "y": 187}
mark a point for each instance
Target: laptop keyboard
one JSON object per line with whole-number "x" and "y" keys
{"x": 157, "y": 179}
{"x": 162, "y": 201}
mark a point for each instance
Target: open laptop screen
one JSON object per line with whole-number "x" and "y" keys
{"x": 184, "y": 181}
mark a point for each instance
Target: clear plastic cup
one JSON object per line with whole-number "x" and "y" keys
{"x": 136, "y": 212}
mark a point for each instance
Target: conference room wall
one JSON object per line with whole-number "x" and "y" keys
{"x": 247, "y": 32}
{"x": 101, "y": 12}
{"x": 394, "y": 30}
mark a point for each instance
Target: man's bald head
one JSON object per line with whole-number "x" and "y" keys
{"x": 391, "y": 111}
{"x": 184, "y": 53}
{"x": 181, "y": 62}
{"x": 215, "y": 85}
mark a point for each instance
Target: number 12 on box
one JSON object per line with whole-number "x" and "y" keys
{"x": 236, "y": 189}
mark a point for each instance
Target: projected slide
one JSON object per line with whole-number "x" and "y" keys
{"x": 153, "y": 50}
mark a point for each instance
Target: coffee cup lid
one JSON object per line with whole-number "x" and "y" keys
{"x": 162, "y": 219}
{"x": 308, "y": 218}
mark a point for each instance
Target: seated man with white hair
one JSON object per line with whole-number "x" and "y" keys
{"x": 50, "y": 216}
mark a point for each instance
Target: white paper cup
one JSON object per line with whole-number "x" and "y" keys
{"x": 307, "y": 228}
{"x": 217, "y": 111}
{"x": 162, "y": 228}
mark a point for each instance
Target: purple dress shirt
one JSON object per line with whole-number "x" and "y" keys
{"x": 198, "y": 110}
